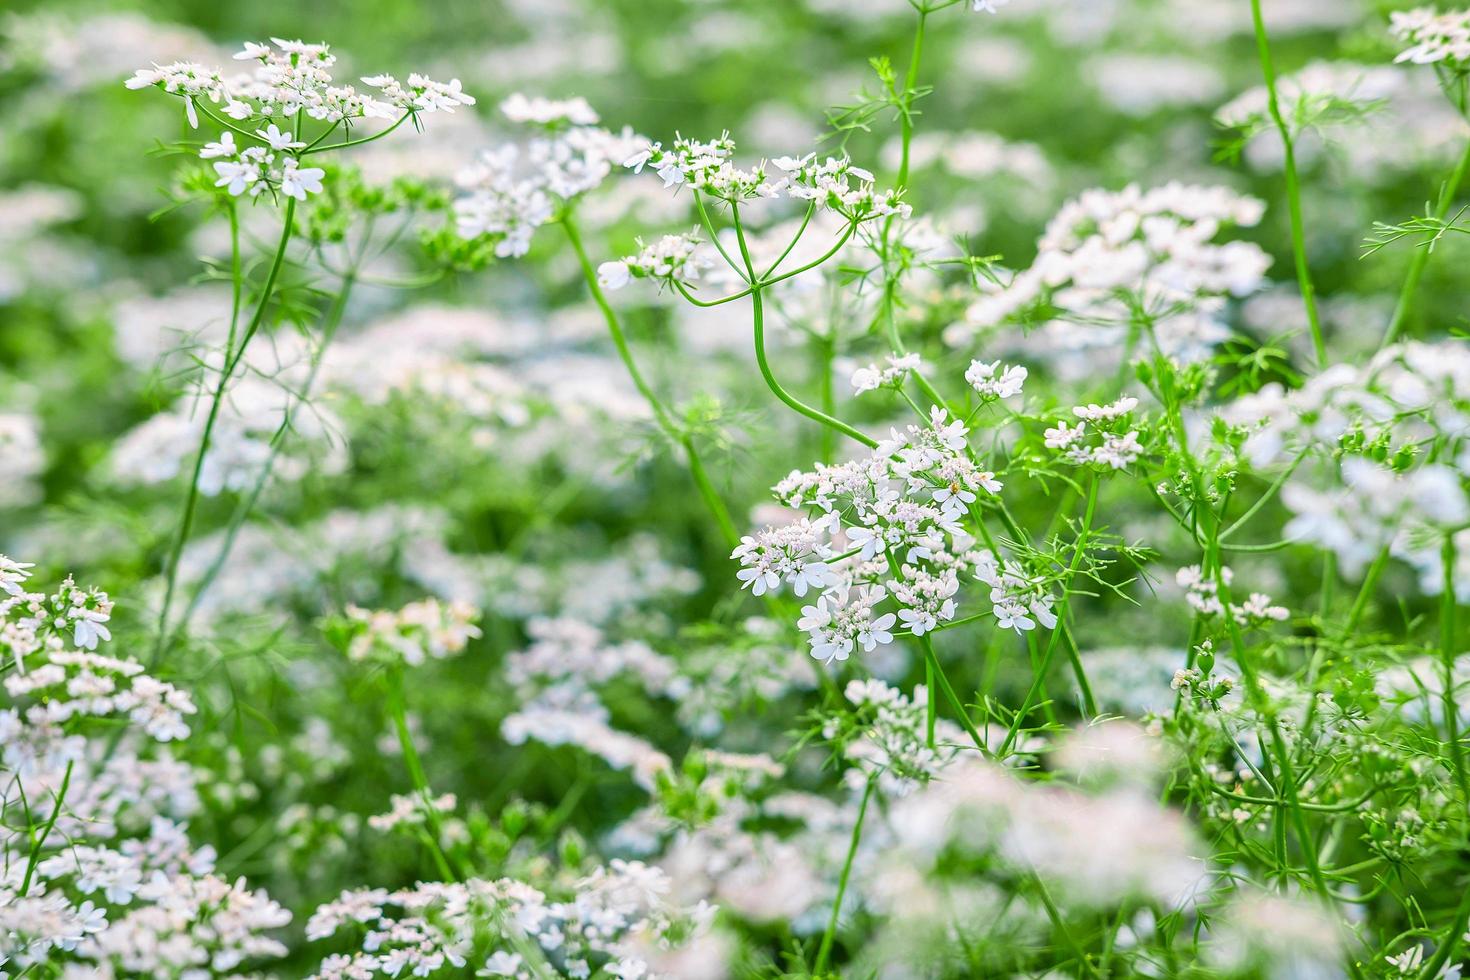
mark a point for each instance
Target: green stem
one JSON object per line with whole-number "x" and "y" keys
{"x": 1420, "y": 259}
{"x": 1447, "y": 609}
{"x": 233, "y": 358}
{"x": 40, "y": 842}
{"x": 825, "y": 950}
{"x": 314, "y": 148}
{"x": 415, "y": 766}
{"x": 1365, "y": 592}
{"x": 1293, "y": 186}
{"x": 827, "y": 347}
{"x": 660, "y": 413}
{"x": 906, "y": 114}
{"x": 758, "y": 316}
{"x": 1061, "y": 613}
{"x": 247, "y": 505}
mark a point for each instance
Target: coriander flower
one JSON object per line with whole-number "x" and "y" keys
{"x": 992, "y": 387}
{"x": 871, "y": 378}
{"x": 1433, "y": 37}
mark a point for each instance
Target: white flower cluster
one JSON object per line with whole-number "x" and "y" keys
{"x": 888, "y": 525}
{"x": 409, "y": 811}
{"x": 1432, "y": 36}
{"x": 892, "y": 747}
{"x": 871, "y": 378}
{"x": 1106, "y": 445}
{"x": 1095, "y": 850}
{"x": 796, "y": 553}
{"x": 75, "y": 684}
{"x": 1202, "y": 592}
{"x": 254, "y": 170}
{"x": 1019, "y": 601}
{"x": 1112, "y": 263}
{"x": 994, "y": 383}
{"x": 673, "y": 258}
{"x": 514, "y": 189}
{"x": 420, "y": 631}
{"x": 708, "y": 167}
{"x": 289, "y": 78}
{"x": 607, "y": 924}
{"x": 1374, "y": 508}
{"x": 293, "y": 77}
{"x": 554, "y": 679}
{"x": 102, "y": 902}
{"x": 31, "y": 621}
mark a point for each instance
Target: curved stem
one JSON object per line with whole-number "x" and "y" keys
{"x": 1293, "y": 186}
{"x": 806, "y": 219}
{"x": 1266, "y": 497}
{"x": 660, "y": 413}
{"x": 232, "y": 361}
{"x": 758, "y": 315}
{"x": 358, "y": 142}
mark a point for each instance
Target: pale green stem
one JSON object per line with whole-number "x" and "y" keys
{"x": 1447, "y": 609}
{"x": 1420, "y": 258}
{"x": 1293, "y": 187}
{"x": 825, "y": 950}
{"x": 660, "y": 414}
{"x": 233, "y": 358}
{"x": 434, "y": 835}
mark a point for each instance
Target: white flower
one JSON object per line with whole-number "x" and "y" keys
{"x": 277, "y": 139}
{"x": 613, "y": 275}
{"x": 236, "y": 177}
{"x": 866, "y": 379}
{"x": 224, "y": 148}
{"x": 297, "y": 181}
{"x": 983, "y": 378}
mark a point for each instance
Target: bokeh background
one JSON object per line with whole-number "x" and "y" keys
{"x": 100, "y": 267}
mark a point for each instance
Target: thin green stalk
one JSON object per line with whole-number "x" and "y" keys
{"x": 1365, "y": 592}
{"x": 758, "y": 316}
{"x": 247, "y": 505}
{"x": 1293, "y": 186}
{"x": 39, "y": 842}
{"x": 1420, "y": 259}
{"x": 661, "y": 415}
{"x": 931, "y": 659}
{"x": 825, "y": 950}
{"x": 314, "y": 148}
{"x": 906, "y": 114}
{"x": 233, "y": 358}
{"x": 1271, "y": 492}
{"x": 415, "y": 766}
{"x": 1061, "y": 613}
{"x": 1447, "y": 609}
{"x": 827, "y": 349}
